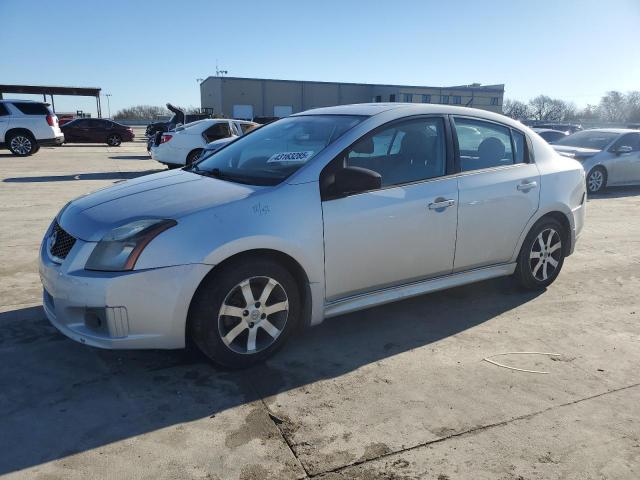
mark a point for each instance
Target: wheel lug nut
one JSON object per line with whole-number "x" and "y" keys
{"x": 245, "y": 313}
{"x": 264, "y": 315}
{"x": 251, "y": 325}
{"x": 257, "y": 304}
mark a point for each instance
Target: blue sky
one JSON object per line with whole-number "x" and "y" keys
{"x": 151, "y": 52}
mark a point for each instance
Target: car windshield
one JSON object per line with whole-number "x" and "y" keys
{"x": 270, "y": 154}
{"x": 588, "y": 139}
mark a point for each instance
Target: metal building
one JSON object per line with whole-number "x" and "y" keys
{"x": 246, "y": 98}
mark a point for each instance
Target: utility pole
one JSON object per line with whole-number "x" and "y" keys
{"x": 108, "y": 103}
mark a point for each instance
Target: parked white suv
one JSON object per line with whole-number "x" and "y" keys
{"x": 185, "y": 144}
{"x": 26, "y": 125}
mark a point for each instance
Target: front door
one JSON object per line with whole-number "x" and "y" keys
{"x": 627, "y": 163}
{"x": 499, "y": 192}
{"x": 406, "y": 230}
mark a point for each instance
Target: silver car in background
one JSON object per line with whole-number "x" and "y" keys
{"x": 316, "y": 215}
{"x": 610, "y": 156}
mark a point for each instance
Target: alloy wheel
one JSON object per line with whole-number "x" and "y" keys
{"x": 595, "y": 181}
{"x": 21, "y": 144}
{"x": 253, "y": 315}
{"x": 114, "y": 140}
{"x": 545, "y": 255}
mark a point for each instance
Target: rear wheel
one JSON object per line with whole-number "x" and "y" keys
{"x": 114, "y": 140}
{"x": 194, "y": 155}
{"x": 596, "y": 180}
{"x": 22, "y": 144}
{"x": 245, "y": 312}
{"x": 542, "y": 255}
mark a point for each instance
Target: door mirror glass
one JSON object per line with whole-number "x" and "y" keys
{"x": 350, "y": 180}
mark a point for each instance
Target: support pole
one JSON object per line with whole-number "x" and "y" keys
{"x": 53, "y": 104}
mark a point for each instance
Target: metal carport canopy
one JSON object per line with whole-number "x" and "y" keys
{"x": 45, "y": 90}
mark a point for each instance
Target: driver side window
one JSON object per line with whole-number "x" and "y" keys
{"x": 405, "y": 152}
{"x": 630, "y": 140}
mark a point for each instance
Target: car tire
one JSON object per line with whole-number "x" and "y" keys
{"x": 244, "y": 312}
{"x": 114, "y": 140}
{"x": 541, "y": 255}
{"x": 193, "y": 156}
{"x": 596, "y": 180}
{"x": 22, "y": 144}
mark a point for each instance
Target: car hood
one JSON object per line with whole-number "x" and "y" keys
{"x": 575, "y": 152}
{"x": 171, "y": 194}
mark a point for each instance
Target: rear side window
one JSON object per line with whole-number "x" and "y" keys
{"x": 217, "y": 131}
{"x": 485, "y": 145}
{"x": 29, "y": 108}
{"x": 246, "y": 127}
{"x": 3, "y": 110}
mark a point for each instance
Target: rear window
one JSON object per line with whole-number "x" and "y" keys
{"x": 29, "y": 108}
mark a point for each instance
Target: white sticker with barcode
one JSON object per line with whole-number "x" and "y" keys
{"x": 291, "y": 157}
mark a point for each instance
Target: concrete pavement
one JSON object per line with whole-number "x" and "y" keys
{"x": 396, "y": 392}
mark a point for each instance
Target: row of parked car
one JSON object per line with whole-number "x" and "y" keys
{"x": 26, "y": 125}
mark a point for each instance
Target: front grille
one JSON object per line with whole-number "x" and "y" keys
{"x": 61, "y": 242}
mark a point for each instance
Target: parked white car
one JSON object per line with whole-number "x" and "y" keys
{"x": 315, "y": 215}
{"x": 184, "y": 144}
{"x": 26, "y": 125}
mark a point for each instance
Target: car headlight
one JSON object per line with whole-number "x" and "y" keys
{"x": 120, "y": 248}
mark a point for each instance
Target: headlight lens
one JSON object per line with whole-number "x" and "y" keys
{"x": 120, "y": 248}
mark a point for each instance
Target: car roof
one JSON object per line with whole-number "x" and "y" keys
{"x": 543, "y": 130}
{"x": 402, "y": 109}
{"x": 10, "y": 100}
{"x": 611, "y": 130}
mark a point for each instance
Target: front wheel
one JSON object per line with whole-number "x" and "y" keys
{"x": 541, "y": 256}
{"x": 245, "y": 312}
{"x": 596, "y": 180}
{"x": 114, "y": 140}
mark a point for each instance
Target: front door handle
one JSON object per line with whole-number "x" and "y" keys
{"x": 525, "y": 186}
{"x": 441, "y": 204}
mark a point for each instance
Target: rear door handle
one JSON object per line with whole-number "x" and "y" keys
{"x": 527, "y": 186}
{"x": 442, "y": 204}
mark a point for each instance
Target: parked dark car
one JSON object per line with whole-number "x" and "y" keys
{"x": 179, "y": 117}
{"x": 96, "y": 130}
{"x": 550, "y": 135}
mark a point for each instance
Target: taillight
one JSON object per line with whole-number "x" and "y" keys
{"x": 52, "y": 120}
{"x": 165, "y": 138}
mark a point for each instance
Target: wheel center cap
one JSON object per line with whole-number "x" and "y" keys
{"x": 254, "y": 315}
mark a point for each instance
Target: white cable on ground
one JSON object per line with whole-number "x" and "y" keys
{"x": 488, "y": 359}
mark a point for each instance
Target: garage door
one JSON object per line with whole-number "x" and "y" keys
{"x": 243, "y": 112}
{"x": 281, "y": 111}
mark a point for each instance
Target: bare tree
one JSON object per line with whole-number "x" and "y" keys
{"x": 515, "y": 109}
{"x": 141, "y": 112}
{"x": 632, "y": 100}
{"x": 612, "y": 107}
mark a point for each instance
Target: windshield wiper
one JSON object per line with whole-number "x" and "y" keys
{"x": 215, "y": 172}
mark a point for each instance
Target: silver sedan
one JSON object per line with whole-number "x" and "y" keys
{"x": 321, "y": 213}
{"x": 610, "y": 156}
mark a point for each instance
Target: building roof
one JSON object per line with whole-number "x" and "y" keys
{"x": 50, "y": 90}
{"x": 476, "y": 87}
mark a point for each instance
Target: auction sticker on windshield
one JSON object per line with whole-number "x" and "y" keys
{"x": 297, "y": 157}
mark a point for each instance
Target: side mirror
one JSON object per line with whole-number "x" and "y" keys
{"x": 350, "y": 180}
{"x": 623, "y": 149}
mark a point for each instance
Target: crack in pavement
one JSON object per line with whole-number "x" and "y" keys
{"x": 471, "y": 431}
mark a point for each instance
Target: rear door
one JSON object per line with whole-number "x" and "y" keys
{"x": 499, "y": 189}
{"x": 4, "y": 121}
